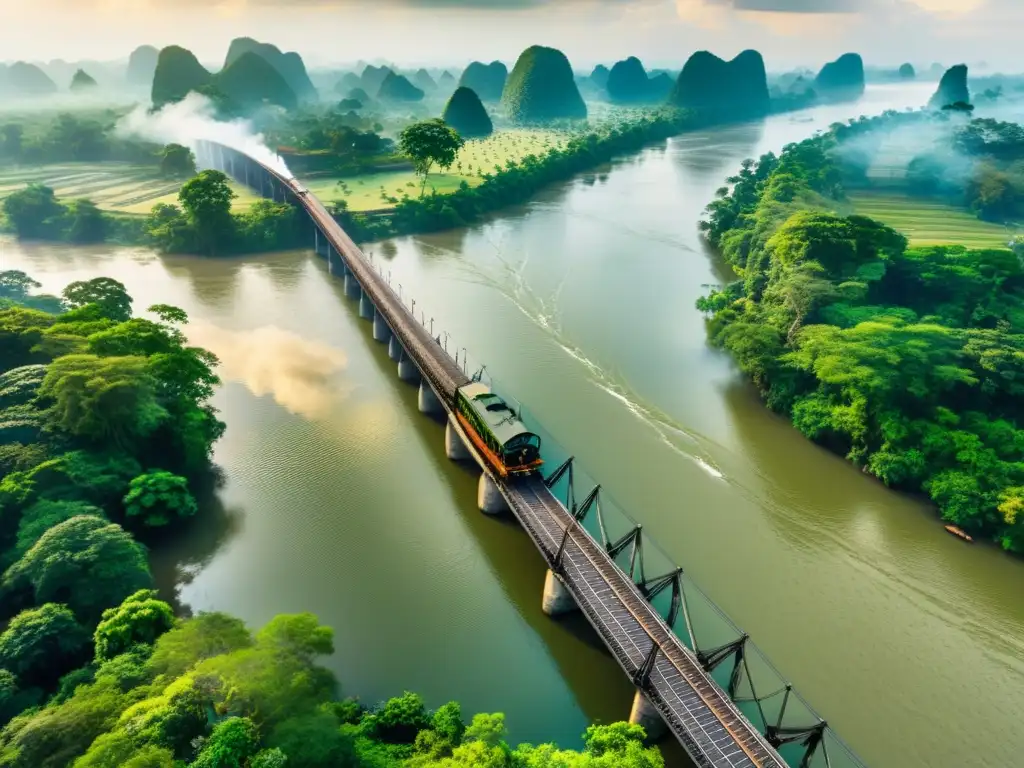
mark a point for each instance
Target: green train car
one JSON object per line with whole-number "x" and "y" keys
{"x": 495, "y": 431}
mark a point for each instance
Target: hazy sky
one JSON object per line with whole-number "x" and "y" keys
{"x": 661, "y": 32}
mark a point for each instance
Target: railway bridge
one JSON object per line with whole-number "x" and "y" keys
{"x": 675, "y": 687}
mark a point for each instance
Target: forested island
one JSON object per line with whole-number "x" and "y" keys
{"x": 907, "y": 360}
{"x": 105, "y": 434}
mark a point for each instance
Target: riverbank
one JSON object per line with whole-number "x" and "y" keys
{"x": 884, "y": 609}
{"x": 581, "y": 304}
{"x": 900, "y": 359}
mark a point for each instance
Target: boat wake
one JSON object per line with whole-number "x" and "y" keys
{"x": 544, "y": 312}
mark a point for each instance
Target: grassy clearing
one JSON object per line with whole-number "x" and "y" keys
{"x": 927, "y": 222}
{"x": 115, "y": 187}
{"x": 477, "y": 157}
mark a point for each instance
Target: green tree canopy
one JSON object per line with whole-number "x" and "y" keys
{"x": 231, "y": 745}
{"x": 177, "y": 161}
{"x": 140, "y": 619}
{"x": 206, "y": 200}
{"x": 43, "y": 515}
{"x": 203, "y": 637}
{"x": 428, "y": 143}
{"x": 34, "y": 212}
{"x": 86, "y": 562}
{"x": 103, "y": 400}
{"x": 158, "y": 498}
{"x": 41, "y": 644}
{"x": 314, "y": 740}
{"x": 110, "y": 295}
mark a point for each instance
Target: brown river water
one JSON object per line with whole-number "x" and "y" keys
{"x": 338, "y": 498}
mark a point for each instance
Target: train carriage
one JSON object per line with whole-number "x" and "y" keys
{"x": 496, "y": 431}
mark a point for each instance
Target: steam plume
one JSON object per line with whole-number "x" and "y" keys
{"x": 300, "y": 374}
{"x": 191, "y": 120}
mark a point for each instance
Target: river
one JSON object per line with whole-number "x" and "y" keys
{"x": 338, "y": 498}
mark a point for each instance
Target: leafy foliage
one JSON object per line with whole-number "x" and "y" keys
{"x": 231, "y": 744}
{"x": 177, "y": 161}
{"x": 41, "y": 644}
{"x": 158, "y": 498}
{"x": 908, "y": 361}
{"x": 207, "y": 693}
{"x": 86, "y": 562}
{"x": 140, "y": 619}
{"x": 428, "y": 143}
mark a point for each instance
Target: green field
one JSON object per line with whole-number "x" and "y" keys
{"x": 927, "y": 222}
{"x": 134, "y": 189}
{"x": 116, "y": 187}
{"x": 478, "y": 156}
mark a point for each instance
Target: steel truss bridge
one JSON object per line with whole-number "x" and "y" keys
{"x": 601, "y": 575}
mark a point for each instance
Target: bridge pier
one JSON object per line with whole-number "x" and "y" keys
{"x": 381, "y": 332}
{"x": 352, "y": 289}
{"x": 429, "y": 402}
{"x": 407, "y": 370}
{"x": 366, "y": 309}
{"x": 557, "y": 599}
{"x": 395, "y": 348}
{"x": 488, "y": 496}
{"x": 454, "y": 447}
{"x": 647, "y": 716}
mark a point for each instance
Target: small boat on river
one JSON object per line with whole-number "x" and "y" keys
{"x": 958, "y": 533}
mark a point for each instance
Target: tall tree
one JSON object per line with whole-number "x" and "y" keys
{"x": 428, "y": 143}
{"x": 109, "y": 294}
{"x": 206, "y": 200}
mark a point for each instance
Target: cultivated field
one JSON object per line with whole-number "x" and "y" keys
{"x": 135, "y": 189}
{"x": 477, "y": 157}
{"x": 927, "y": 222}
{"x": 116, "y": 187}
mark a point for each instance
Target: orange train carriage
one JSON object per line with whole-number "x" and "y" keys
{"x": 496, "y": 431}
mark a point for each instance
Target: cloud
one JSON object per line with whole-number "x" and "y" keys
{"x": 794, "y": 6}
{"x": 235, "y": 6}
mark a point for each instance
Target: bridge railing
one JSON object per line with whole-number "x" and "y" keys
{"x": 764, "y": 696}
{"x": 737, "y": 664}
{"x": 759, "y": 690}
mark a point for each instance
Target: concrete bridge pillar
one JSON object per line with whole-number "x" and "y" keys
{"x": 647, "y": 716}
{"x": 428, "y": 400}
{"x": 395, "y": 348}
{"x": 407, "y": 370}
{"x": 454, "y": 447}
{"x": 366, "y": 308}
{"x": 557, "y": 599}
{"x": 488, "y": 496}
{"x": 381, "y": 332}
{"x": 352, "y": 289}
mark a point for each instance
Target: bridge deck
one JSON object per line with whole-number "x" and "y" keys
{"x": 696, "y": 709}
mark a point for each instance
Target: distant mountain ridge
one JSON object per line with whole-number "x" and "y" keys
{"x": 542, "y": 87}
{"x": 734, "y": 89}
{"x": 289, "y": 65}
{"x": 247, "y": 82}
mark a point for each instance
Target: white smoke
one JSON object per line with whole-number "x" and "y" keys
{"x": 192, "y": 120}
